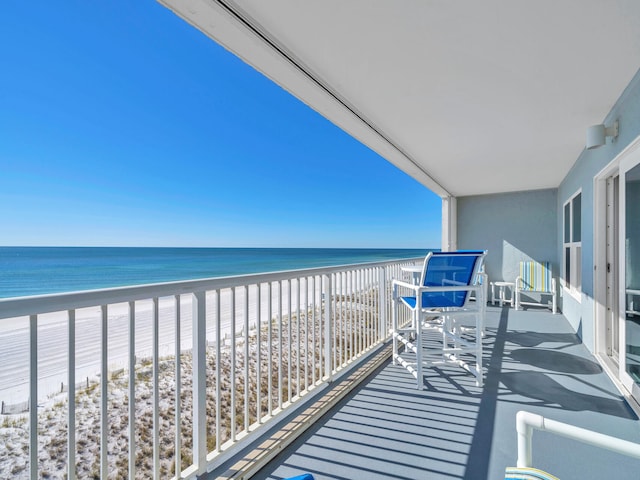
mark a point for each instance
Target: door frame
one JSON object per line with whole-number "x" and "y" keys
{"x": 600, "y": 265}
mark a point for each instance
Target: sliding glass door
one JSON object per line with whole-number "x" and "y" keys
{"x": 629, "y": 268}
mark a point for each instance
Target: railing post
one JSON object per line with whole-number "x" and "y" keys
{"x": 219, "y": 340}
{"x": 232, "y": 308}
{"x": 258, "y": 353}
{"x": 328, "y": 334}
{"x": 155, "y": 354}
{"x": 199, "y": 324}
{"x": 382, "y": 303}
{"x": 33, "y": 397}
{"x": 280, "y": 300}
{"x": 246, "y": 358}
{"x": 313, "y": 330}
{"x": 178, "y": 409}
{"x": 71, "y": 396}
{"x": 270, "y": 349}
{"x": 132, "y": 389}
{"x": 289, "y": 342}
{"x": 104, "y": 385}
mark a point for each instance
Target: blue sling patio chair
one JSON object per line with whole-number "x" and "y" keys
{"x": 438, "y": 303}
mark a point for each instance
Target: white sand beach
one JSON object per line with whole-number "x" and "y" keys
{"x": 52, "y": 415}
{"x": 53, "y": 336}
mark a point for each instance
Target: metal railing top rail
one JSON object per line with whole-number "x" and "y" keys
{"x": 56, "y": 302}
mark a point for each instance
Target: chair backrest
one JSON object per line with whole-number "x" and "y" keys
{"x": 446, "y": 269}
{"x": 535, "y": 276}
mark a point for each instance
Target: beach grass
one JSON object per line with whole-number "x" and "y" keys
{"x": 292, "y": 374}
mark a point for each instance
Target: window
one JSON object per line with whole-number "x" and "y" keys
{"x": 573, "y": 244}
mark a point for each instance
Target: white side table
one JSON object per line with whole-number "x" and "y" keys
{"x": 415, "y": 271}
{"x": 502, "y": 286}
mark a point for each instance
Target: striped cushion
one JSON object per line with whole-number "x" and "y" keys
{"x": 527, "y": 473}
{"x": 536, "y": 276}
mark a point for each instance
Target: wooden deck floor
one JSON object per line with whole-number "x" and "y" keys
{"x": 386, "y": 429}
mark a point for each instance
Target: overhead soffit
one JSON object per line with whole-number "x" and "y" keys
{"x": 466, "y": 97}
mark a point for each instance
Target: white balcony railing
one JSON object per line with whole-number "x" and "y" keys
{"x": 174, "y": 377}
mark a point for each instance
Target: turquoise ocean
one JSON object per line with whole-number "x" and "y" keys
{"x": 42, "y": 270}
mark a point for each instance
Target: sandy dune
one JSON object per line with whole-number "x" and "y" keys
{"x": 53, "y": 336}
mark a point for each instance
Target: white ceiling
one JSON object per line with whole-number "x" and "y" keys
{"x": 468, "y": 97}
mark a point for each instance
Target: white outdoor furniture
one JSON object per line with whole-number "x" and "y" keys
{"x": 415, "y": 271}
{"x": 527, "y": 422}
{"x": 502, "y": 288}
{"x": 437, "y": 304}
{"x": 536, "y": 277}
{"x": 633, "y": 307}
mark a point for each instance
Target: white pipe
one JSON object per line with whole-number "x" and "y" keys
{"x": 526, "y": 422}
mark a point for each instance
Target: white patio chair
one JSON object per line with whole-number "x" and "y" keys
{"x": 535, "y": 277}
{"x": 438, "y": 303}
{"x": 527, "y": 422}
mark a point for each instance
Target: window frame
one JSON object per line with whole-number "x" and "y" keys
{"x": 572, "y": 246}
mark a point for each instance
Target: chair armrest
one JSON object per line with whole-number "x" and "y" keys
{"x": 518, "y": 283}
{"x": 401, "y": 283}
{"x": 407, "y": 286}
{"x": 417, "y": 289}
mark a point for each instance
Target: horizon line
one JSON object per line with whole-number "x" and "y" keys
{"x": 211, "y": 247}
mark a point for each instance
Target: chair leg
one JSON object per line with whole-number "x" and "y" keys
{"x": 479, "y": 323}
{"x": 483, "y": 309}
{"x": 454, "y": 328}
{"x": 394, "y": 323}
{"x": 420, "y": 380}
{"x": 445, "y": 329}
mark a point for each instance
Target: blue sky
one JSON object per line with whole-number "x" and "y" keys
{"x": 120, "y": 124}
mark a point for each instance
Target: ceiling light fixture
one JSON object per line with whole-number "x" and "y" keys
{"x": 596, "y": 134}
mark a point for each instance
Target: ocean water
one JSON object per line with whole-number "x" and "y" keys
{"x": 42, "y": 270}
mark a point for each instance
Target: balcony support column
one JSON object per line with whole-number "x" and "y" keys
{"x": 449, "y": 224}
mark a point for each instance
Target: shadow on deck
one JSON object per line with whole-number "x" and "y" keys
{"x": 386, "y": 429}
